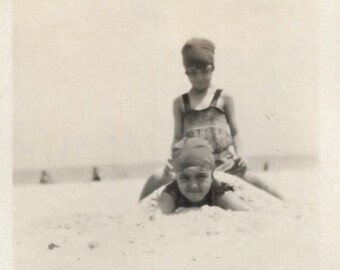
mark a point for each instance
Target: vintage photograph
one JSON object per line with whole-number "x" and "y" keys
{"x": 166, "y": 135}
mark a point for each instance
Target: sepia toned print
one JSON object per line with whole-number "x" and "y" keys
{"x": 96, "y": 182}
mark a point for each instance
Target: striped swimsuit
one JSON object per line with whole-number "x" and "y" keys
{"x": 210, "y": 124}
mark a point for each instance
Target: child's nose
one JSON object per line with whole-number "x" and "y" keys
{"x": 199, "y": 77}
{"x": 193, "y": 187}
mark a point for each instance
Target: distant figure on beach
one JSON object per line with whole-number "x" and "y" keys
{"x": 266, "y": 166}
{"x": 95, "y": 175}
{"x": 45, "y": 178}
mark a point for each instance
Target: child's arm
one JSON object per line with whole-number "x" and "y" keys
{"x": 166, "y": 204}
{"x": 230, "y": 115}
{"x": 230, "y": 201}
{"x": 178, "y": 119}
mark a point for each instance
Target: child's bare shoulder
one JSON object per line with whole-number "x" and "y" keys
{"x": 227, "y": 99}
{"x": 178, "y": 99}
{"x": 178, "y": 103}
{"x": 227, "y": 96}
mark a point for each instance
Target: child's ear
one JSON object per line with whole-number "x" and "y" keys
{"x": 170, "y": 161}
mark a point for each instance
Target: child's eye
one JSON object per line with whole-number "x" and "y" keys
{"x": 183, "y": 178}
{"x": 202, "y": 176}
{"x": 191, "y": 73}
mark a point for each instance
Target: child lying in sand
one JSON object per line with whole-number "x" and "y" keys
{"x": 193, "y": 162}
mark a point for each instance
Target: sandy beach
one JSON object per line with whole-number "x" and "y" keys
{"x": 100, "y": 226}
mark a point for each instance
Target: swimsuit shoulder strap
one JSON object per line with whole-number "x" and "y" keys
{"x": 186, "y": 102}
{"x": 218, "y": 188}
{"x": 215, "y": 98}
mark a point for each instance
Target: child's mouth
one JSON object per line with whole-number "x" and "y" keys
{"x": 194, "y": 192}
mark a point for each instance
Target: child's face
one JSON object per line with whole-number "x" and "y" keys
{"x": 200, "y": 78}
{"x": 194, "y": 183}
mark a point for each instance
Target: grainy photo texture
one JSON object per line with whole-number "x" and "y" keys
{"x": 166, "y": 135}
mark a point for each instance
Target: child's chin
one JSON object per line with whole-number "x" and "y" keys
{"x": 194, "y": 197}
{"x": 201, "y": 87}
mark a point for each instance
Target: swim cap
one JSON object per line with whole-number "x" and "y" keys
{"x": 191, "y": 152}
{"x": 198, "y": 51}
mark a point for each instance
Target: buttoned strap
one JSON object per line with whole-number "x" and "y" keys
{"x": 216, "y": 96}
{"x": 186, "y": 102}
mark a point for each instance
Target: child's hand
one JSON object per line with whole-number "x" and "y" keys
{"x": 242, "y": 162}
{"x": 239, "y": 166}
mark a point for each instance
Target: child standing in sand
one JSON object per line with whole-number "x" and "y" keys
{"x": 208, "y": 113}
{"x": 194, "y": 185}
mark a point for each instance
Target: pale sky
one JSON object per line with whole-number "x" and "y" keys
{"x": 94, "y": 80}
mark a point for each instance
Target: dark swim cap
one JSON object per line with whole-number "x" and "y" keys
{"x": 198, "y": 51}
{"x": 191, "y": 152}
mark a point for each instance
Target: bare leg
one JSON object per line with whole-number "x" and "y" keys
{"x": 158, "y": 179}
{"x": 255, "y": 180}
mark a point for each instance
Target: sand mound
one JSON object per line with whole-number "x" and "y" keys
{"x": 272, "y": 236}
{"x": 209, "y": 236}
{"x": 257, "y": 199}
{"x": 98, "y": 226}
